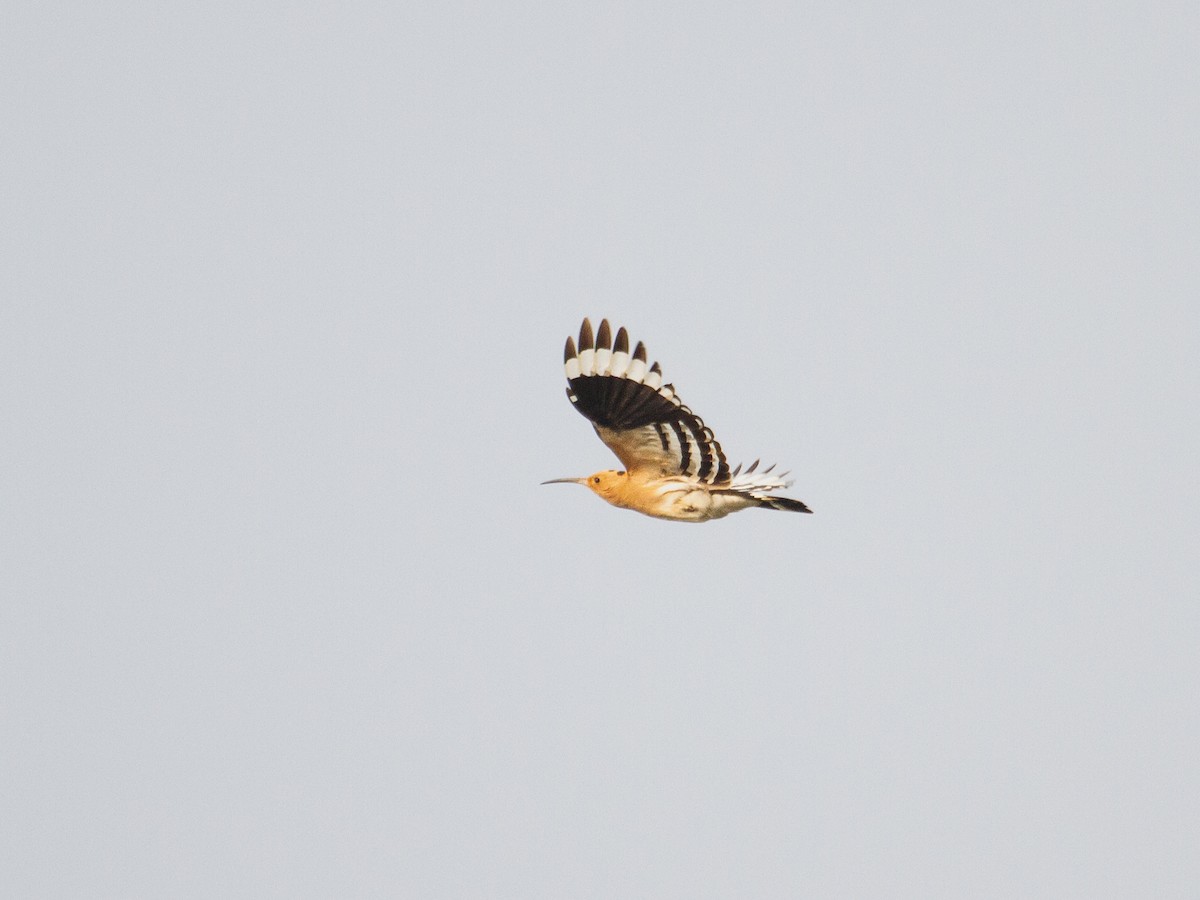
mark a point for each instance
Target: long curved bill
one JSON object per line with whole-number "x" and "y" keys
{"x": 582, "y": 481}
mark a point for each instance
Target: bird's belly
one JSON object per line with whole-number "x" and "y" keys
{"x": 681, "y": 503}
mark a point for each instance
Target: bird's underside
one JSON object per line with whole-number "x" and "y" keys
{"x": 674, "y": 467}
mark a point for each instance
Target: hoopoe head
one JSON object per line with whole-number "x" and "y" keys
{"x": 606, "y": 484}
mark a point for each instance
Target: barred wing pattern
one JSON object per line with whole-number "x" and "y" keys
{"x": 640, "y": 419}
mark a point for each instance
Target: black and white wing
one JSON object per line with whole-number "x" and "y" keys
{"x": 640, "y": 419}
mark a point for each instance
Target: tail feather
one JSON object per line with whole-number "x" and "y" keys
{"x": 782, "y": 503}
{"x": 745, "y": 499}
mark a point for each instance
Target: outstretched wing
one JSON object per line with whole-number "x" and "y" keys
{"x": 640, "y": 419}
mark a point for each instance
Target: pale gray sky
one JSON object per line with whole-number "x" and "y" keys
{"x": 286, "y": 612}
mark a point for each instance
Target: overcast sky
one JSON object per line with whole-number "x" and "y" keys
{"x": 286, "y": 611}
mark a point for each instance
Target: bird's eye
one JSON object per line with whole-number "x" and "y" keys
{"x": 596, "y": 480}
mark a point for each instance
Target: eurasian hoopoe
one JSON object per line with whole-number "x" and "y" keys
{"x": 674, "y": 467}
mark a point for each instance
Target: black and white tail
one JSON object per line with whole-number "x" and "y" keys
{"x": 756, "y": 485}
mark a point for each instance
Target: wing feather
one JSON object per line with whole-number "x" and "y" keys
{"x": 641, "y": 419}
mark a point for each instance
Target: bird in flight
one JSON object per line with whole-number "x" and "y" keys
{"x": 674, "y": 467}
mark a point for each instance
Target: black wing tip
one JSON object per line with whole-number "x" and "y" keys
{"x": 569, "y": 351}
{"x": 604, "y": 336}
{"x": 621, "y": 344}
{"x": 586, "y": 341}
